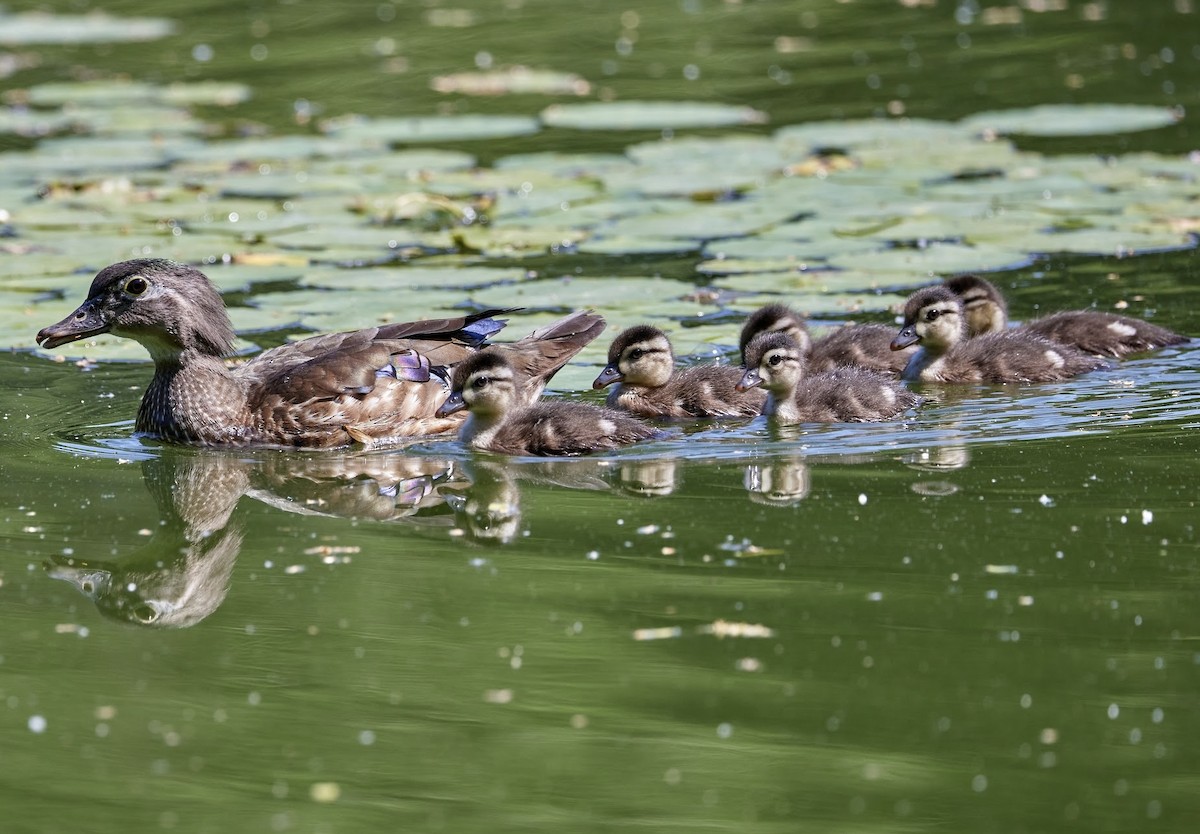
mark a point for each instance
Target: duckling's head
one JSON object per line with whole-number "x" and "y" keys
{"x": 640, "y": 356}
{"x": 773, "y": 361}
{"x": 166, "y": 306}
{"x": 934, "y": 317}
{"x": 774, "y": 318}
{"x": 484, "y": 384}
{"x": 983, "y": 305}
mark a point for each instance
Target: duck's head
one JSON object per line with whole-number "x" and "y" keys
{"x": 639, "y": 356}
{"x": 484, "y": 384}
{"x": 166, "y": 306}
{"x": 773, "y": 361}
{"x": 983, "y": 305}
{"x": 934, "y": 317}
{"x": 774, "y": 318}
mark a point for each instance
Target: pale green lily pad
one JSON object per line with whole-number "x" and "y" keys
{"x": 787, "y": 253}
{"x": 1073, "y": 119}
{"x": 515, "y": 241}
{"x": 413, "y": 165}
{"x": 327, "y": 311}
{"x": 605, "y": 294}
{"x": 516, "y": 80}
{"x": 637, "y": 246}
{"x": 938, "y": 259}
{"x": 853, "y": 134}
{"x": 839, "y": 306}
{"x": 122, "y": 92}
{"x": 417, "y": 129}
{"x": 33, "y": 122}
{"x": 143, "y": 118}
{"x": 705, "y": 221}
{"x": 327, "y": 236}
{"x": 238, "y": 151}
{"x": 41, "y": 28}
{"x": 406, "y": 277}
{"x": 833, "y": 282}
{"x": 568, "y": 165}
{"x": 285, "y": 185}
{"x": 1103, "y": 241}
{"x": 648, "y": 115}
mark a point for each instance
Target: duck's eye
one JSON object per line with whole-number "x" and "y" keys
{"x": 636, "y": 354}
{"x": 774, "y": 360}
{"x": 932, "y": 314}
{"x": 136, "y": 285}
{"x": 480, "y": 382}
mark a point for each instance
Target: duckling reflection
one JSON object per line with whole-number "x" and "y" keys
{"x": 487, "y": 505}
{"x": 182, "y": 574}
{"x": 649, "y": 477}
{"x": 489, "y": 510}
{"x": 780, "y": 483}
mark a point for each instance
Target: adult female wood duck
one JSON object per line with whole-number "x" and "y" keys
{"x": 844, "y": 395}
{"x": 642, "y": 363}
{"x": 854, "y": 345}
{"x": 372, "y": 386}
{"x": 934, "y": 319}
{"x": 1093, "y": 331}
{"x": 487, "y": 385}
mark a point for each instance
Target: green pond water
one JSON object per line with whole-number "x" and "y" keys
{"x": 981, "y": 618}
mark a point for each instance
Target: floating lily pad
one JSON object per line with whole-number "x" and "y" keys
{"x": 33, "y": 122}
{"x": 1104, "y": 241}
{"x": 263, "y": 149}
{"x": 870, "y": 133}
{"x": 41, "y": 28}
{"x": 417, "y": 129}
{"x": 412, "y": 165}
{"x": 938, "y": 259}
{"x": 648, "y": 115}
{"x": 825, "y": 281}
{"x": 512, "y": 81}
{"x": 824, "y": 244}
{"x": 1073, "y": 119}
{"x": 406, "y": 277}
{"x": 637, "y": 246}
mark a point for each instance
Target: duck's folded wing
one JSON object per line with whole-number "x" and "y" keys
{"x": 337, "y": 363}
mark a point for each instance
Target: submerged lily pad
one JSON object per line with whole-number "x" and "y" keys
{"x": 648, "y": 115}
{"x": 1074, "y": 119}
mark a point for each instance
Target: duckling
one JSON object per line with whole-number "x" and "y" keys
{"x": 934, "y": 319}
{"x": 844, "y": 395}
{"x": 486, "y": 385}
{"x": 371, "y": 387}
{"x": 641, "y": 361}
{"x": 1092, "y": 331}
{"x": 855, "y": 345}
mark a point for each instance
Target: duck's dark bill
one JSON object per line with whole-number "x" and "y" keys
{"x": 452, "y": 404}
{"x": 607, "y": 377}
{"x": 82, "y": 323}
{"x": 750, "y": 379}
{"x": 907, "y": 336}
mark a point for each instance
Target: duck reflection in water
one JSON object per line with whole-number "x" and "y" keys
{"x": 182, "y": 574}
{"x": 779, "y": 483}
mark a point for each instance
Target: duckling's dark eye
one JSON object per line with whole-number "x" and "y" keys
{"x": 136, "y": 285}
{"x": 774, "y": 360}
{"x": 636, "y": 354}
{"x": 932, "y": 314}
{"x": 480, "y": 382}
